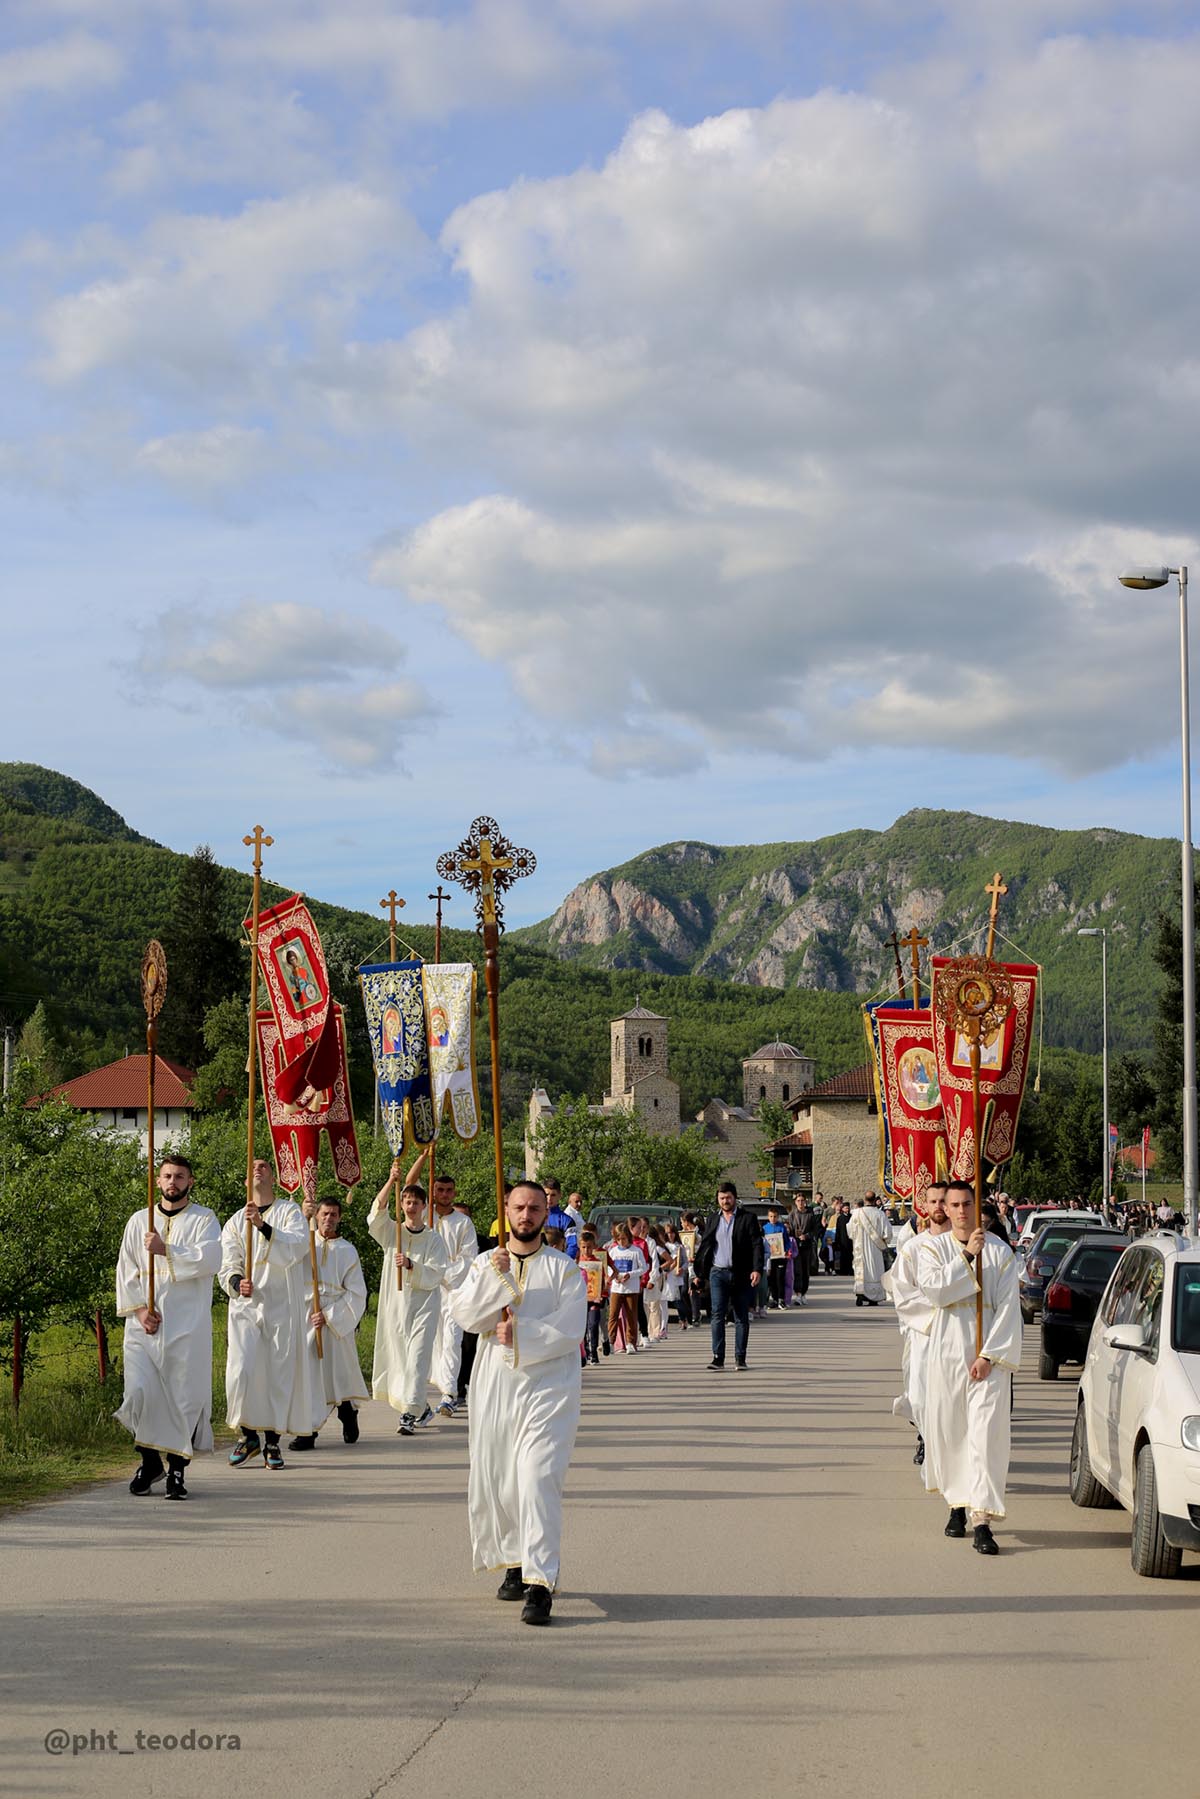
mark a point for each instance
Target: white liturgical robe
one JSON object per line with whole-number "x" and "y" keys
{"x": 167, "y": 1403}
{"x": 524, "y": 1407}
{"x": 407, "y": 1323}
{"x": 870, "y": 1233}
{"x": 967, "y": 1424}
{"x": 337, "y": 1374}
{"x": 462, "y": 1246}
{"x": 266, "y": 1374}
{"x": 915, "y": 1316}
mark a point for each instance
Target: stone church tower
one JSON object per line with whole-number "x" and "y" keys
{"x": 639, "y": 1047}
{"x": 776, "y": 1072}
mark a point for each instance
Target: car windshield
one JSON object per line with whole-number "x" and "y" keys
{"x": 1092, "y": 1265}
{"x": 1187, "y": 1307}
{"x": 1054, "y": 1242}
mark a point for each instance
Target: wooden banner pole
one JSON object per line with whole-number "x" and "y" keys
{"x": 260, "y": 840}
{"x": 154, "y": 992}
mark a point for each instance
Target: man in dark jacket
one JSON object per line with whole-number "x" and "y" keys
{"x": 730, "y": 1257}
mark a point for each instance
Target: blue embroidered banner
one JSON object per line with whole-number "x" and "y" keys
{"x": 395, "y": 1006}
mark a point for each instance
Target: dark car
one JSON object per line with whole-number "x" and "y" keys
{"x": 1045, "y": 1253}
{"x": 1071, "y": 1298}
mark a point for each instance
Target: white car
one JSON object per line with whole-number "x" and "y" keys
{"x": 1137, "y": 1423}
{"x": 1051, "y": 1215}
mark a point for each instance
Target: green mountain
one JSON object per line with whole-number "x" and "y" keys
{"x": 816, "y": 916}
{"x": 81, "y": 893}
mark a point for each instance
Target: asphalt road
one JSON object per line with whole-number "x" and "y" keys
{"x": 757, "y": 1597}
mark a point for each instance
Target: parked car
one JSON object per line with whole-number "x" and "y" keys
{"x": 1041, "y": 1216}
{"x": 1136, "y": 1441}
{"x": 1073, "y": 1296}
{"x": 1020, "y": 1214}
{"x": 1045, "y": 1253}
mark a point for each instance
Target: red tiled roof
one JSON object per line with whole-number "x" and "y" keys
{"x": 856, "y": 1083}
{"x": 797, "y": 1140}
{"x": 121, "y": 1086}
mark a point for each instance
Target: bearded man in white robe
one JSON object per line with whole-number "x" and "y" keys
{"x": 407, "y": 1323}
{"x": 870, "y": 1235}
{"x": 167, "y": 1366}
{"x": 967, "y": 1406}
{"x": 335, "y": 1376}
{"x": 528, "y": 1305}
{"x": 267, "y": 1388}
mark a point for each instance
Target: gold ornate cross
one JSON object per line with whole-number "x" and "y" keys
{"x": 995, "y": 888}
{"x": 393, "y": 902}
{"x": 486, "y": 863}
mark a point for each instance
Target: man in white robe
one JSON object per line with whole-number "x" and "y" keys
{"x": 167, "y": 1368}
{"x": 267, "y": 1389}
{"x": 914, "y": 1313}
{"x": 407, "y": 1323}
{"x": 870, "y": 1235}
{"x": 967, "y": 1405}
{"x": 457, "y": 1231}
{"x": 529, "y": 1307}
{"x": 335, "y": 1376}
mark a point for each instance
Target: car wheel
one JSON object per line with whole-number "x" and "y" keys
{"x": 1047, "y": 1367}
{"x": 1149, "y": 1552}
{"x": 1085, "y": 1489}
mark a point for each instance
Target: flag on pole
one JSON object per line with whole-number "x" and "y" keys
{"x": 449, "y": 990}
{"x": 1114, "y": 1143}
{"x": 394, "y": 1000}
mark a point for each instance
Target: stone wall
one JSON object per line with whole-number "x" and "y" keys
{"x": 845, "y": 1148}
{"x": 639, "y": 1048}
{"x": 774, "y": 1074}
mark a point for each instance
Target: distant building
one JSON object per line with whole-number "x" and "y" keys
{"x": 833, "y": 1146}
{"x": 777, "y": 1074}
{"x": 116, "y": 1097}
{"x": 639, "y": 1081}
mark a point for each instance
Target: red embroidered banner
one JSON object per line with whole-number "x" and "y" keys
{"x": 293, "y": 969}
{"x": 912, "y": 1134}
{"x": 1003, "y": 1067}
{"x": 296, "y": 1129}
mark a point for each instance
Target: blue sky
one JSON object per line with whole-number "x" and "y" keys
{"x": 636, "y": 420}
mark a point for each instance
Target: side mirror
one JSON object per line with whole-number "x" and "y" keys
{"x": 1126, "y": 1336}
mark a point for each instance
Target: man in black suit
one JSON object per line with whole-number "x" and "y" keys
{"x": 730, "y": 1257}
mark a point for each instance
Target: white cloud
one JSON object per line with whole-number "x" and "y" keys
{"x": 205, "y": 463}
{"x": 58, "y": 67}
{"x": 295, "y": 671}
{"x": 796, "y": 416}
{"x": 208, "y": 133}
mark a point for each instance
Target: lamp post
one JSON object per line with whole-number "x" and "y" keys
{"x": 1101, "y": 932}
{"x": 1144, "y": 578}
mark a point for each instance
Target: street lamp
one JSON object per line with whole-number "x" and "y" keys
{"x": 1102, "y": 933}
{"x": 1144, "y": 578}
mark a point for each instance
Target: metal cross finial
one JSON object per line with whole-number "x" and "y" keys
{"x": 486, "y": 864}
{"x": 393, "y": 902}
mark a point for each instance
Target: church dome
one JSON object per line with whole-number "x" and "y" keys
{"x": 775, "y": 1052}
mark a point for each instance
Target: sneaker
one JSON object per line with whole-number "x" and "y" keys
{"x": 985, "y": 1542}
{"x": 426, "y": 1416}
{"x": 630, "y": 1349}
{"x": 460, "y": 1404}
{"x": 273, "y": 1456}
{"x": 147, "y": 1474}
{"x": 536, "y": 1609}
{"x": 349, "y": 1418}
{"x": 248, "y": 1444}
{"x": 175, "y": 1486}
{"x": 407, "y": 1425}
{"x": 956, "y": 1523}
{"x": 446, "y": 1409}
{"x": 594, "y": 1361}
{"x": 606, "y": 1347}
{"x": 715, "y": 1364}
{"x": 740, "y": 1367}
{"x": 512, "y": 1586}
{"x": 643, "y": 1342}
{"x": 309, "y": 1442}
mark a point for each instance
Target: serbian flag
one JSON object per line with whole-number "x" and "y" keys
{"x": 292, "y": 964}
{"x": 449, "y": 993}
{"x": 912, "y": 1132}
{"x": 394, "y": 999}
{"x": 1003, "y": 1067}
{"x": 296, "y": 1130}
{"x": 1114, "y": 1144}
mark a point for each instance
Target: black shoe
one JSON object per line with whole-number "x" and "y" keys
{"x": 175, "y": 1486}
{"x": 272, "y": 1456}
{"x": 956, "y": 1523}
{"x": 407, "y": 1425}
{"x": 715, "y": 1364}
{"x": 985, "y": 1542}
{"x": 740, "y": 1366}
{"x": 248, "y": 1444}
{"x": 512, "y": 1586}
{"x": 919, "y": 1453}
{"x": 594, "y": 1361}
{"x": 151, "y": 1470}
{"x": 536, "y": 1609}
{"x": 859, "y": 1300}
{"x": 309, "y": 1442}
{"x": 349, "y": 1418}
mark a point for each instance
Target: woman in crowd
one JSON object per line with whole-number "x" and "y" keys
{"x": 627, "y": 1265}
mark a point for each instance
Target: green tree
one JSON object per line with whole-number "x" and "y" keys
{"x": 776, "y": 1121}
{"x": 204, "y": 961}
{"x": 37, "y": 1046}
{"x": 613, "y": 1156}
{"x": 221, "y": 1075}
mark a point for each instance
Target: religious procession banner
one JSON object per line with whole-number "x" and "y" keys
{"x": 293, "y": 969}
{"x": 449, "y": 989}
{"x": 912, "y": 1130}
{"x": 296, "y": 1129}
{"x": 394, "y": 999}
{"x": 1003, "y": 1067}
